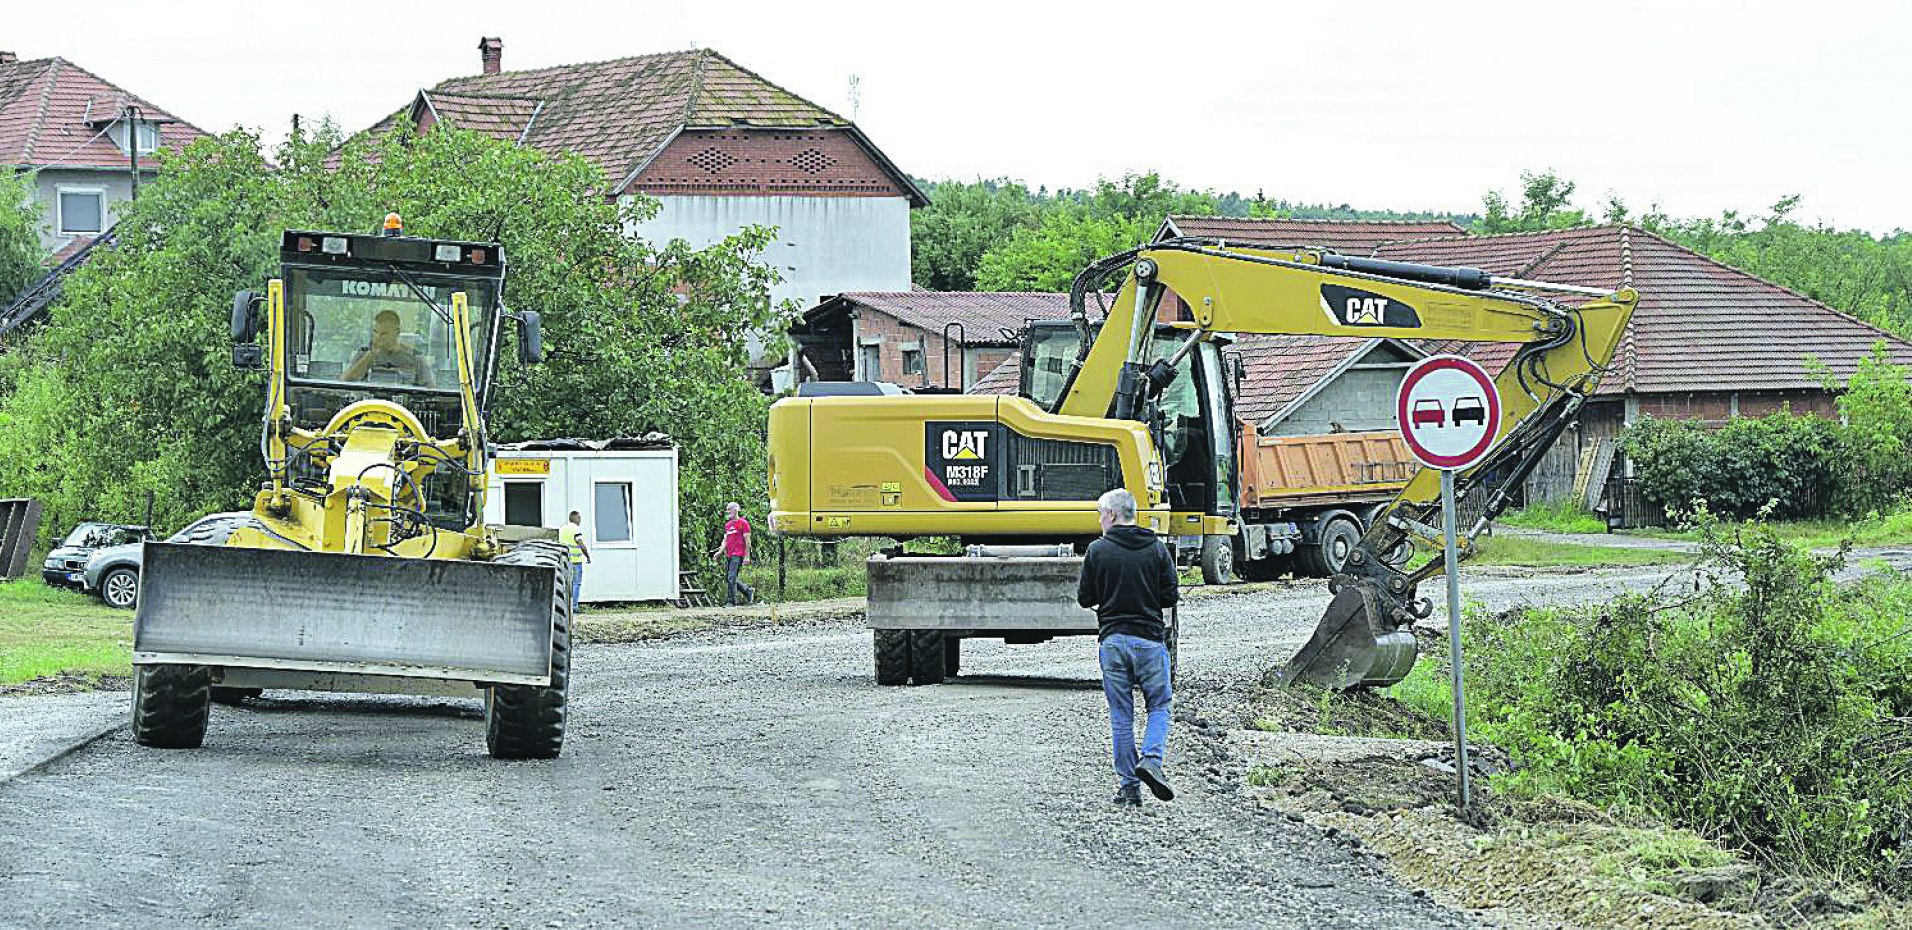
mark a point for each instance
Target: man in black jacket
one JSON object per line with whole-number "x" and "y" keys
{"x": 1128, "y": 579}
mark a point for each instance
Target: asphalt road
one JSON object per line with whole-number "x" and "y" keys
{"x": 714, "y": 780}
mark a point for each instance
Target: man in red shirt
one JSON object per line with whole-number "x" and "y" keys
{"x": 736, "y": 554}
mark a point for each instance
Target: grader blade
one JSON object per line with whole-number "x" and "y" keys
{"x": 1353, "y": 646}
{"x": 331, "y": 612}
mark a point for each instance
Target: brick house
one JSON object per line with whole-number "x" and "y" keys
{"x": 717, "y": 145}
{"x": 84, "y": 140}
{"x": 908, "y": 337}
{"x": 77, "y": 133}
{"x": 1707, "y": 341}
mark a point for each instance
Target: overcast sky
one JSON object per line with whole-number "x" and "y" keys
{"x": 1696, "y": 106}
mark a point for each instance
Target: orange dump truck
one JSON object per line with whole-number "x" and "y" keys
{"x": 1311, "y": 497}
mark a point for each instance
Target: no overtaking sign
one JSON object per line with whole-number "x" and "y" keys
{"x": 1449, "y": 411}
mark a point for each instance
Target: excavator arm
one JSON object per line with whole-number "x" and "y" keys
{"x": 1363, "y": 639}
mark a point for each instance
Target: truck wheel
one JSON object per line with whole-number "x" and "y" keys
{"x": 892, "y": 657}
{"x": 926, "y": 656}
{"x": 1218, "y": 560}
{"x": 952, "y": 655}
{"x": 233, "y": 697}
{"x": 1338, "y": 539}
{"x": 120, "y": 588}
{"x": 171, "y": 704}
{"x": 527, "y": 721}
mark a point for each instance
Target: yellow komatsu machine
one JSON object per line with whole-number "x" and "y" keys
{"x": 365, "y": 564}
{"x": 1101, "y": 408}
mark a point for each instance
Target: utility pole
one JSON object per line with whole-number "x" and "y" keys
{"x": 131, "y": 115}
{"x": 856, "y": 95}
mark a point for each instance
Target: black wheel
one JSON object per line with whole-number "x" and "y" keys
{"x": 1338, "y": 538}
{"x": 952, "y": 655}
{"x": 892, "y": 657}
{"x": 527, "y": 721}
{"x": 1218, "y": 560}
{"x": 926, "y": 656}
{"x": 120, "y": 588}
{"x": 171, "y": 704}
{"x": 233, "y": 697}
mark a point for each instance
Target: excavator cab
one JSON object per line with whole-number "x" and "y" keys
{"x": 1193, "y": 422}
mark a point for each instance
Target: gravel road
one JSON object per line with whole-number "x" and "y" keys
{"x": 726, "y": 779}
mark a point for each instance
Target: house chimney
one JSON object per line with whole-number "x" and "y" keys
{"x": 492, "y": 52}
{"x": 7, "y": 58}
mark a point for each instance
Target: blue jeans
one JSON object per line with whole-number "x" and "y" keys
{"x": 577, "y": 585}
{"x": 1130, "y": 662}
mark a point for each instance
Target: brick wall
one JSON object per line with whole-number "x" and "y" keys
{"x": 894, "y": 336}
{"x": 762, "y": 161}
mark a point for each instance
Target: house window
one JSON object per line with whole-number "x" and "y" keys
{"x": 912, "y": 361}
{"x": 613, "y": 501}
{"x": 81, "y": 209}
{"x": 524, "y": 503}
{"x": 144, "y": 133}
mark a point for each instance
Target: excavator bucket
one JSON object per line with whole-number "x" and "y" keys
{"x": 331, "y": 612}
{"x": 1352, "y": 646}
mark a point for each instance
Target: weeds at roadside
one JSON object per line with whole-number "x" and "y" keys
{"x": 1560, "y": 516}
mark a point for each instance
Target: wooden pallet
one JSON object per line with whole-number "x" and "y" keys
{"x": 689, "y": 594}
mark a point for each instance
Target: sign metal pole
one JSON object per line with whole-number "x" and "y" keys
{"x": 1454, "y": 633}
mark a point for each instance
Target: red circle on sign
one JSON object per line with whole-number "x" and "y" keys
{"x": 1436, "y": 415}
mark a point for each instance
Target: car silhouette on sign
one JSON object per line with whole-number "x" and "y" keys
{"x": 1428, "y": 411}
{"x": 1470, "y": 408}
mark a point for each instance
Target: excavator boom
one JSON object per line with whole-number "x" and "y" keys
{"x": 1031, "y": 467}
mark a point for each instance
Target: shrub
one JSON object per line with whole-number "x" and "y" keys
{"x": 1769, "y": 709}
{"x": 1877, "y": 407}
{"x": 1783, "y": 464}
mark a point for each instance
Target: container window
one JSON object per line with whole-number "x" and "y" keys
{"x": 613, "y": 512}
{"x": 524, "y": 503}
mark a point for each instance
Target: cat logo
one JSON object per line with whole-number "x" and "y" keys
{"x": 965, "y": 444}
{"x": 1351, "y": 306}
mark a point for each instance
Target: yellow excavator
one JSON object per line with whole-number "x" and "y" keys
{"x": 364, "y": 564}
{"x": 1017, "y": 477}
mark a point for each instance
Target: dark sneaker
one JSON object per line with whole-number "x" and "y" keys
{"x": 1150, "y": 772}
{"x": 1128, "y": 797}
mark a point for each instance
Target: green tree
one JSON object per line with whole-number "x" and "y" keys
{"x": 20, "y": 251}
{"x": 131, "y": 389}
{"x": 1088, "y": 225}
{"x": 1545, "y": 203}
{"x": 964, "y": 219}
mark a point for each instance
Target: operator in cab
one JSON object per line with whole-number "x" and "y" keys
{"x": 387, "y": 360}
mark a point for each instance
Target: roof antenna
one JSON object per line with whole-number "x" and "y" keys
{"x": 856, "y": 95}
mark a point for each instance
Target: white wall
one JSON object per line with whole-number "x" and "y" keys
{"x": 825, "y": 245}
{"x": 117, "y": 186}
{"x": 642, "y": 567}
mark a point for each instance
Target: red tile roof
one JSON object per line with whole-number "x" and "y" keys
{"x": 1002, "y": 379}
{"x": 1351, "y": 237}
{"x": 54, "y": 112}
{"x": 983, "y": 314}
{"x": 1700, "y": 325}
{"x": 1282, "y": 368}
{"x": 620, "y": 114}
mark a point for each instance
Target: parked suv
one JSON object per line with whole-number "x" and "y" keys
{"x": 65, "y": 566}
{"x": 113, "y": 573}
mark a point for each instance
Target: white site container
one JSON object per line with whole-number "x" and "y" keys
{"x": 626, "y": 496}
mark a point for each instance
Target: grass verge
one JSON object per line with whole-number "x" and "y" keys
{"x": 1554, "y": 517}
{"x": 48, "y": 631}
{"x": 1522, "y": 552}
